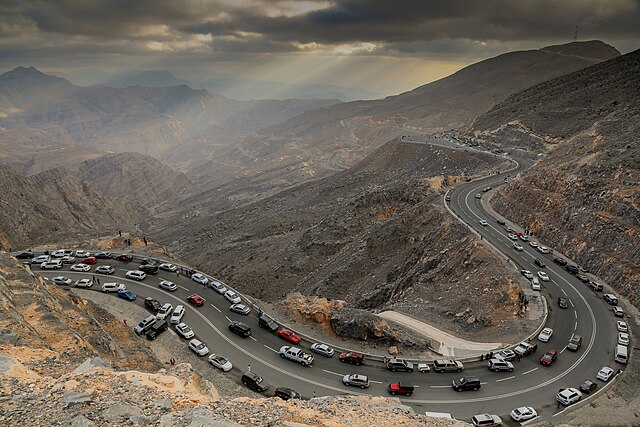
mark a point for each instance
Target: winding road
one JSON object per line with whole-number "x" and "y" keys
{"x": 531, "y": 384}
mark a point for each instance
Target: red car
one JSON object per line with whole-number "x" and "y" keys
{"x": 400, "y": 388}
{"x": 549, "y": 357}
{"x": 288, "y": 335}
{"x": 352, "y": 357}
{"x": 195, "y": 300}
{"x": 90, "y": 260}
{"x": 124, "y": 258}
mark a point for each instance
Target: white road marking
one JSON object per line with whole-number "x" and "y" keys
{"x": 524, "y": 423}
{"x": 380, "y": 382}
{"x": 330, "y": 372}
{"x": 215, "y": 308}
{"x": 253, "y": 338}
{"x": 575, "y": 326}
{"x": 440, "y": 386}
{"x": 572, "y": 305}
{"x": 275, "y": 351}
{"x": 227, "y": 317}
{"x": 528, "y": 372}
{"x": 483, "y": 383}
{"x": 505, "y": 379}
{"x": 183, "y": 288}
{"x": 562, "y": 351}
{"x": 563, "y": 291}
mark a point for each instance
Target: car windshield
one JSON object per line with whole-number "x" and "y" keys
{"x": 258, "y": 380}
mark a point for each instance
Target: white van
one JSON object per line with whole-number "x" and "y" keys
{"x": 621, "y": 354}
{"x": 54, "y": 264}
{"x": 442, "y": 415}
{"x": 113, "y": 287}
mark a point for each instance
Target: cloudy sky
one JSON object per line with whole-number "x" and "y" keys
{"x": 385, "y": 46}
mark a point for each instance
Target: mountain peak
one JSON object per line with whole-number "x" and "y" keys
{"x": 21, "y": 72}
{"x": 33, "y": 75}
{"x": 590, "y": 49}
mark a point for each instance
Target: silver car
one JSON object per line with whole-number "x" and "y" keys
{"x": 61, "y": 280}
{"x": 168, "y": 286}
{"x": 322, "y": 349}
{"x": 240, "y": 309}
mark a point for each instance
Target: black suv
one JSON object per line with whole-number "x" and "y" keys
{"x": 240, "y": 328}
{"x": 152, "y": 304}
{"x": 399, "y": 365}
{"x": 560, "y": 261}
{"x": 286, "y": 393}
{"x": 267, "y": 323}
{"x": 573, "y": 269}
{"x": 156, "y": 329}
{"x": 254, "y": 382}
{"x": 582, "y": 278}
{"x": 466, "y": 383}
{"x": 539, "y": 263}
{"x": 562, "y": 302}
{"x": 149, "y": 269}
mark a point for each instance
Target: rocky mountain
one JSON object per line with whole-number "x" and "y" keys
{"x": 375, "y": 236}
{"x": 175, "y": 124}
{"x": 56, "y": 205}
{"x": 66, "y": 361}
{"x": 583, "y": 196}
{"x": 320, "y": 142}
{"x": 133, "y": 175}
{"x": 149, "y": 78}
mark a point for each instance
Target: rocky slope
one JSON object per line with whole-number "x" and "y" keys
{"x": 135, "y": 175}
{"x": 375, "y": 236}
{"x": 583, "y": 197}
{"x": 66, "y": 362}
{"x": 56, "y": 205}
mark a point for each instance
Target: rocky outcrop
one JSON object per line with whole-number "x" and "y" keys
{"x": 56, "y": 205}
{"x": 581, "y": 198}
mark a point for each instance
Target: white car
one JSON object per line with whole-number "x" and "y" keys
{"x": 40, "y": 259}
{"x": 322, "y": 349}
{"x": 483, "y": 222}
{"x": 80, "y": 267}
{"x": 545, "y": 335}
{"x": 55, "y": 264}
{"x": 167, "y": 267}
{"x": 605, "y": 374}
{"x": 240, "y": 309}
{"x": 220, "y": 362}
{"x": 535, "y": 284}
{"x": 198, "y": 347}
{"x": 513, "y": 236}
{"x": 199, "y": 278}
{"x": 61, "y": 280}
{"x": 82, "y": 254}
{"x": 543, "y": 249}
{"x": 168, "y": 286}
{"x": 568, "y": 396}
{"x": 84, "y": 283}
{"x": 543, "y": 276}
{"x": 518, "y": 247}
{"x": 105, "y": 269}
{"x": 478, "y": 196}
{"x": 184, "y": 330}
{"x": 135, "y": 275}
{"x": 164, "y": 311}
{"x": 59, "y": 253}
{"x": 177, "y": 315}
{"x": 533, "y": 244}
{"x": 232, "y": 297}
{"x": 523, "y": 413}
{"x": 618, "y": 312}
{"x": 113, "y": 287}
{"x": 68, "y": 259}
{"x": 622, "y": 326}
{"x": 524, "y": 238}
{"x": 527, "y": 274}
{"x": 623, "y": 338}
{"x": 218, "y": 287}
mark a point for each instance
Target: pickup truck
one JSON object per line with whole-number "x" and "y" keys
{"x": 525, "y": 349}
{"x": 296, "y": 354}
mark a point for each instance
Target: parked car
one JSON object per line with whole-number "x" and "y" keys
{"x": 486, "y": 420}
{"x": 122, "y": 258}
{"x": 254, "y": 382}
{"x": 285, "y": 393}
{"x": 478, "y": 196}
{"x": 152, "y": 304}
{"x": 605, "y": 374}
{"x": 400, "y": 388}
{"x": 618, "y": 312}
{"x": 518, "y": 247}
{"x": 447, "y": 365}
{"x": 508, "y": 355}
{"x": 165, "y": 311}
{"x": 167, "y": 267}
{"x": 560, "y": 261}
{"x": 80, "y": 267}
{"x": 352, "y": 357}
{"x": 90, "y": 260}
{"x": 128, "y": 295}
{"x": 623, "y": 338}
{"x": 40, "y": 259}
{"x": 535, "y": 284}
{"x": 527, "y": 274}
{"x": 466, "y": 383}
{"x": 356, "y": 380}
{"x": 199, "y": 278}
{"x": 588, "y": 386}
{"x": 55, "y": 264}
{"x": 61, "y": 280}
{"x": 198, "y": 347}
{"x": 568, "y": 396}
{"x": 533, "y": 244}
{"x": 158, "y": 327}
{"x": 322, "y": 349}
{"x": 539, "y": 263}
{"x": 81, "y": 254}
{"x": 610, "y": 299}
{"x": 525, "y": 349}
{"x": 195, "y": 300}
{"x": 135, "y": 275}
{"x": 105, "y": 269}
{"x": 177, "y": 315}
{"x": 68, "y": 259}
{"x": 523, "y": 413}
{"x": 149, "y": 269}
{"x": 184, "y": 330}
{"x": 84, "y": 283}
{"x": 218, "y": 287}
{"x": 232, "y": 297}
{"x": 167, "y": 285}
{"x": 220, "y": 362}
{"x": 572, "y": 269}
{"x": 24, "y": 255}
{"x": 288, "y": 335}
{"x": 549, "y": 357}
{"x": 499, "y": 365}
{"x": 622, "y": 326}
{"x": 543, "y": 249}
{"x": 240, "y": 309}
{"x": 240, "y": 328}
{"x": 545, "y": 335}
{"x": 144, "y": 325}
{"x": 268, "y": 323}
{"x": 113, "y": 287}
{"x": 103, "y": 255}
{"x": 396, "y": 364}
{"x": 583, "y": 278}
{"x": 543, "y": 276}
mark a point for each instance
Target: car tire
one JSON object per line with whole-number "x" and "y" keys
{"x": 393, "y": 369}
{"x": 410, "y": 370}
{"x": 362, "y": 387}
{"x": 459, "y": 370}
{"x": 346, "y": 383}
{"x": 511, "y": 370}
{"x": 475, "y": 388}
{"x": 393, "y": 393}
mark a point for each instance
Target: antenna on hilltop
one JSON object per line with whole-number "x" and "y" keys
{"x": 575, "y": 34}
